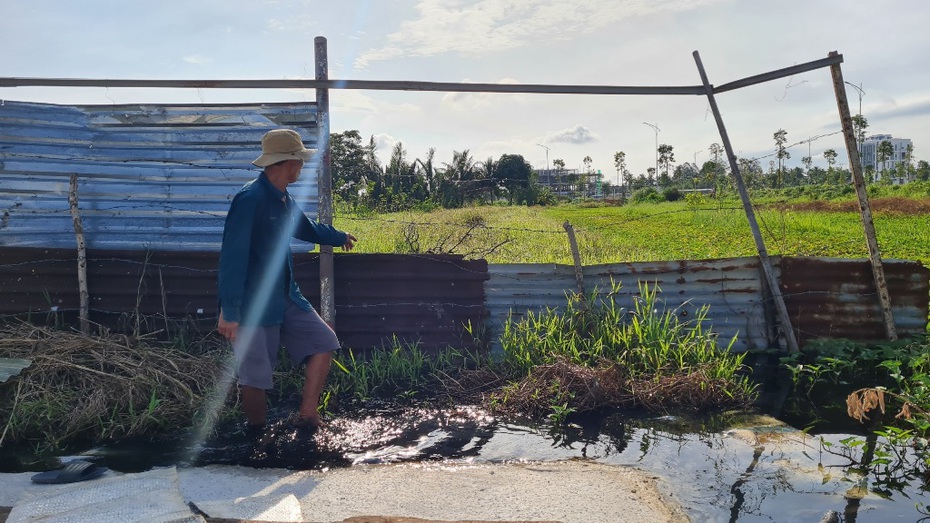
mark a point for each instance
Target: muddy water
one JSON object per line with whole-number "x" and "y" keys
{"x": 719, "y": 468}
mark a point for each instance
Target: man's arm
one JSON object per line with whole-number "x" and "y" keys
{"x": 315, "y": 232}
{"x": 234, "y": 262}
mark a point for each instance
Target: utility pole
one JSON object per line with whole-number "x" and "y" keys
{"x": 547, "y": 155}
{"x": 548, "y": 170}
{"x": 656, "y": 128}
{"x": 697, "y": 170}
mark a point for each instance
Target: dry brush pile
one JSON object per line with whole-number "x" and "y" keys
{"x": 584, "y": 388}
{"x": 98, "y": 387}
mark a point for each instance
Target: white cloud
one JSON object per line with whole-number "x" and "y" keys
{"x": 475, "y": 28}
{"x": 574, "y": 135}
{"x": 385, "y": 144}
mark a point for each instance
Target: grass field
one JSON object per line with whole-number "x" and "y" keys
{"x": 648, "y": 232}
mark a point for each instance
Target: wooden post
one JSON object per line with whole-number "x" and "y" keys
{"x": 766, "y": 263}
{"x": 81, "y": 255}
{"x": 576, "y": 257}
{"x": 324, "y": 184}
{"x": 865, "y": 212}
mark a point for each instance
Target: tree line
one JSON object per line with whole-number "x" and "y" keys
{"x": 360, "y": 180}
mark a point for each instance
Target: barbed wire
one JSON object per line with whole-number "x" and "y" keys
{"x": 802, "y": 142}
{"x": 588, "y": 228}
{"x": 144, "y": 263}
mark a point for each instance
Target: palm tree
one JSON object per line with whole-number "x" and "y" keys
{"x": 830, "y": 156}
{"x": 716, "y": 151}
{"x": 487, "y": 171}
{"x": 429, "y": 172}
{"x": 620, "y": 164}
{"x": 908, "y": 158}
{"x": 860, "y": 124}
{"x": 666, "y": 158}
{"x": 782, "y": 154}
{"x": 885, "y": 152}
{"x": 458, "y": 180}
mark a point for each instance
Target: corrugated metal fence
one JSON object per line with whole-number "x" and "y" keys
{"x": 149, "y": 176}
{"x": 426, "y": 299}
{"x": 825, "y": 297}
{"x": 429, "y": 298}
{"x": 154, "y": 185}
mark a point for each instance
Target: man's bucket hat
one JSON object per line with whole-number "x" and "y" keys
{"x": 282, "y": 144}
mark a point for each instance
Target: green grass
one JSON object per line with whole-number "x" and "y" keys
{"x": 644, "y": 232}
{"x": 595, "y": 353}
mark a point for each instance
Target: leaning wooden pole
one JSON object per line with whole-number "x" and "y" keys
{"x": 81, "y": 255}
{"x": 324, "y": 184}
{"x": 787, "y": 331}
{"x": 865, "y": 212}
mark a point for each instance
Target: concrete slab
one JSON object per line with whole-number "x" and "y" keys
{"x": 565, "y": 492}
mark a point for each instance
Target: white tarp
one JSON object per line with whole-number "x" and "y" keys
{"x": 151, "y": 496}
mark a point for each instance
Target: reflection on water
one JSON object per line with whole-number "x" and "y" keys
{"x": 763, "y": 472}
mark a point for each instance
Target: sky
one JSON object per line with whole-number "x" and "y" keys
{"x": 884, "y": 44}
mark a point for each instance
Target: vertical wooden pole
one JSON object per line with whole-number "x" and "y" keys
{"x": 865, "y": 212}
{"x": 324, "y": 183}
{"x": 576, "y": 257}
{"x": 81, "y": 255}
{"x": 766, "y": 263}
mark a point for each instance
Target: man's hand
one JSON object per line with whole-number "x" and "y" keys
{"x": 229, "y": 329}
{"x": 350, "y": 242}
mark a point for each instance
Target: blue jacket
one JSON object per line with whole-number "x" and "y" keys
{"x": 256, "y": 267}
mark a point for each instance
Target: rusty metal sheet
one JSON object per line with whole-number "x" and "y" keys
{"x": 837, "y": 298}
{"x": 826, "y": 298}
{"x": 423, "y": 299}
{"x": 150, "y": 176}
{"x": 429, "y": 298}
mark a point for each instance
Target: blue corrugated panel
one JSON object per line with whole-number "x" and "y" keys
{"x": 150, "y": 177}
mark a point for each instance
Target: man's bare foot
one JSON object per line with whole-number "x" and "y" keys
{"x": 306, "y": 421}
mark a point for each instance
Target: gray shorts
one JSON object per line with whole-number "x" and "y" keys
{"x": 302, "y": 334}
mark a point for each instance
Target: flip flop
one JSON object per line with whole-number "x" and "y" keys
{"x": 73, "y": 471}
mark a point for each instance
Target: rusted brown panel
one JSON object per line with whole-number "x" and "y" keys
{"x": 837, "y": 298}
{"x": 417, "y": 298}
{"x": 425, "y": 299}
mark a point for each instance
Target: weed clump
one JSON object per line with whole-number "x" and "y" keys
{"x": 596, "y": 354}
{"x": 97, "y": 388}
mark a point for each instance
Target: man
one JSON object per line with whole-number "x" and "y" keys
{"x": 261, "y": 306}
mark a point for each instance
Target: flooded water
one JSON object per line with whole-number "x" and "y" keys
{"x": 760, "y": 471}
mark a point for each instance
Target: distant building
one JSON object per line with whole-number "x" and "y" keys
{"x": 563, "y": 182}
{"x": 871, "y": 158}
